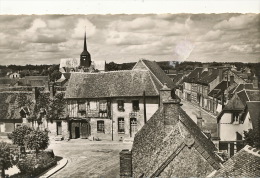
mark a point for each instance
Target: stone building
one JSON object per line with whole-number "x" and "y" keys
{"x": 170, "y": 144}
{"x": 114, "y": 105}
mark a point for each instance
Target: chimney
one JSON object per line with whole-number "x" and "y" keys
{"x": 171, "y": 105}
{"x": 125, "y": 164}
{"x": 165, "y": 94}
{"x": 255, "y": 82}
{"x": 199, "y": 120}
{"x": 231, "y": 80}
{"x": 220, "y": 74}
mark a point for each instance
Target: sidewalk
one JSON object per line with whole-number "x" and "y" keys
{"x": 60, "y": 164}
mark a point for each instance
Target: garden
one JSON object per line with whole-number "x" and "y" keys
{"x": 27, "y": 152}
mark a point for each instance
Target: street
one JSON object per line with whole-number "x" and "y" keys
{"x": 209, "y": 122}
{"x": 89, "y": 158}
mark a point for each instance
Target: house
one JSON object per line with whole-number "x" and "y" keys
{"x": 244, "y": 163}
{"x": 17, "y": 108}
{"x": 114, "y": 105}
{"x": 234, "y": 119}
{"x": 14, "y": 75}
{"x": 170, "y": 144}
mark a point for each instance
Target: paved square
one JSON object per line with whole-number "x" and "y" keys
{"x": 92, "y": 159}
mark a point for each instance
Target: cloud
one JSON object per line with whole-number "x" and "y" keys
{"x": 81, "y": 26}
{"x": 238, "y": 22}
{"x": 37, "y": 24}
{"x": 212, "y": 35}
{"x": 241, "y": 48}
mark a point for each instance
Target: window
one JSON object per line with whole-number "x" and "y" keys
{"x": 59, "y": 128}
{"x": 100, "y": 126}
{"x": 135, "y": 105}
{"x": 120, "y": 105}
{"x": 121, "y": 125}
{"x": 235, "y": 118}
{"x": 81, "y": 106}
{"x": 103, "y": 106}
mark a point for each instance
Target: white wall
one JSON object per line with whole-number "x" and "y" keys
{"x": 228, "y": 130}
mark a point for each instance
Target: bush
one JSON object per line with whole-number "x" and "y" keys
{"x": 5, "y": 154}
{"x": 18, "y": 135}
{"x": 32, "y": 166}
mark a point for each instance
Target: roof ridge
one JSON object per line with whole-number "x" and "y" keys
{"x": 153, "y": 83}
{"x": 151, "y": 71}
{"x": 252, "y": 150}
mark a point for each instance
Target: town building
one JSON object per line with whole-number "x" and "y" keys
{"x": 235, "y": 118}
{"x": 170, "y": 144}
{"x": 114, "y": 105}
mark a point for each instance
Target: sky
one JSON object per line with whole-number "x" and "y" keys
{"x": 45, "y": 39}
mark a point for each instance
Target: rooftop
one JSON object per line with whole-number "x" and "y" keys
{"x": 112, "y": 84}
{"x": 245, "y": 163}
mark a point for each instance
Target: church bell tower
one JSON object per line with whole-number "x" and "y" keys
{"x": 85, "y": 58}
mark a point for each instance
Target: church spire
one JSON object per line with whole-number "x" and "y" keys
{"x": 85, "y": 41}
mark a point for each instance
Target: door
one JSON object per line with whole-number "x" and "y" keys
{"x": 85, "y": 130}
{"x": 133, "y": 127}
{"x": 77, "y": 132}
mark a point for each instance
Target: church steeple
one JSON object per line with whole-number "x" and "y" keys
{"x": 85, "y": 57}
{"x": 85, "y": 43}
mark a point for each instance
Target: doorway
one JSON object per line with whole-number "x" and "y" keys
{"x": 77, "y": 132}
{"x": 133, "y": 127}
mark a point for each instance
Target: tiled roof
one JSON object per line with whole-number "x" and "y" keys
{"x": 10, "y": 106}
{"x": 158, "y": 72}
{"x": 209, "y": 77}
{"x": 235, "y": 103}
{"x": 177, "y": 78}
{"x": 194, "y": 75}
{"x": 198, "y": 135}
{"x": 222, "y": 86}
{"x": 245, "y": 163}
{"x": 112, "y": 84}
{"x": 254, "y": 111}
{"x": 243, "y": 86}
{"x": 253, "y": 95}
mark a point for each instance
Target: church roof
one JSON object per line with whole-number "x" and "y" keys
{"x": 111, "y": 84}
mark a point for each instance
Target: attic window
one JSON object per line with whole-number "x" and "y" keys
{"x": 235, "y": 118}
{"x": 120, "y": 105}
{"x": 81, "y": 106}
{"x": 135, "y": 104}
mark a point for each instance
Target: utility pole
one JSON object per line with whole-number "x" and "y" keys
{"x": 145, "y": 119}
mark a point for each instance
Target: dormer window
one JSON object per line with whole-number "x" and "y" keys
{"x": 235, "y": 118}
{"x": 135, "y": 105}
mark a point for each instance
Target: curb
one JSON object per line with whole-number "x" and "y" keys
{"x": 61, "y": 164}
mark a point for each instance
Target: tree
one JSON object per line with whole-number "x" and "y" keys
{"x": 5, "y": 155}
{"x": 18, "y": 135}
{"x": 55, "y": 75}
{"x": 56, "y": 107}
{"x": 37, "y": 140}
{"x": 252, "y": 138}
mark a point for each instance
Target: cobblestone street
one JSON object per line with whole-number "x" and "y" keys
{"x": 89, "y": 159}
